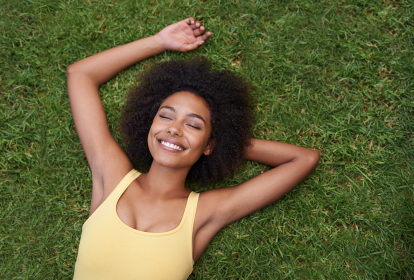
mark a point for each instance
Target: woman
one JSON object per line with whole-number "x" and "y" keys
{"x": 151, "y": 226}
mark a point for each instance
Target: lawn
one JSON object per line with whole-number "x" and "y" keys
{"x": 335, "y": 76}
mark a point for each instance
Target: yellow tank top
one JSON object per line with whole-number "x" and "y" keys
{"x": 109, "y": 249}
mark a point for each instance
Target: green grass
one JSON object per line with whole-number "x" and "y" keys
{"x": 336, "y": 76}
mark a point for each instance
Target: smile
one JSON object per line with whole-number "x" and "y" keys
{"x": 170, "y": 145}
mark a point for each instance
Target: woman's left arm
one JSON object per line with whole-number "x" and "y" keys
{"x": 275, "y": 154}
{"x": 292, "y": 164}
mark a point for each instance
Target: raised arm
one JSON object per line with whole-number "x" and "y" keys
{"x": 292, "y": 164}
{"x": 84, "y": 78}
{"x": 105, "y": 157}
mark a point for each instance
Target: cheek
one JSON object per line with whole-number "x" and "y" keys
{"x": 199, "y": 143}
{"x": 150, "y": 139}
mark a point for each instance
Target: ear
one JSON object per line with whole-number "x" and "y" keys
{"x": 210, "y": 147}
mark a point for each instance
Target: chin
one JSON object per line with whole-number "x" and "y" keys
{"x": 167, "y": 163}
{"x": 171, "y": 162}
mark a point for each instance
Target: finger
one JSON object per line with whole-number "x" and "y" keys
{"x": 204, "y": 37}
{"x": 190, "y": 47}
{"x": 189, "y": 20}
{"x": 195, "y": 24}
{"x": 199, "y": 31}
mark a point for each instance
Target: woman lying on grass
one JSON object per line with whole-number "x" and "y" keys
{"x": 184, "y": 120}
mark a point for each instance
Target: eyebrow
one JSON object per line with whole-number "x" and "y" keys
{"x": 193, "y": 115}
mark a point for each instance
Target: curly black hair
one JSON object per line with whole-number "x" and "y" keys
{"x": 228, "y": 97}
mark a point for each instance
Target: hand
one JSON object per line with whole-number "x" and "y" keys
{"x": 183, "y": 36}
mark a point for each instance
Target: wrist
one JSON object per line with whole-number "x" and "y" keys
{"x": 158, "y": 43}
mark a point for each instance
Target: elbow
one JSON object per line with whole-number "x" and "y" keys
{"x": 76, "y": 72}
{"x": 313, "y": 158}
{"x": 75, "y": 69}
{"x": 70, "y": 70}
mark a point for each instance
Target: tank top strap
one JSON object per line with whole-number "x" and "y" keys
{"x": 192, "y": 209}
{"x": 125, "y": 182}
{"x": 106, "y": 204}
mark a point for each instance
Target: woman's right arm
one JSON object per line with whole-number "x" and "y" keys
{"x": 84, "y": 78}
{"x": 106, "y": 159}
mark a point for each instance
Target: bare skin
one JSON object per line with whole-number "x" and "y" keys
{"x": 154, "y": 202}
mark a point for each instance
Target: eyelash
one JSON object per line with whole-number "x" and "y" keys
{"x": 194, "y": 127}
{"x": 164, "y": 117}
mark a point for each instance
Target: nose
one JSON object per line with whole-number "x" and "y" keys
{"x": 175, "y": 129}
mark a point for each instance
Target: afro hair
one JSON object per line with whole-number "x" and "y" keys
{"x": 228, "y": 97}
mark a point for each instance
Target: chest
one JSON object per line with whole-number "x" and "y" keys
{"x": 112, "y": 250}
{"x": 147, "y": 213}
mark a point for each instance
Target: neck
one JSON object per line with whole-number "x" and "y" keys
{"x": 165, "y": 181}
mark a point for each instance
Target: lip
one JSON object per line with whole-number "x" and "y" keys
{"x": 175, "y": 142}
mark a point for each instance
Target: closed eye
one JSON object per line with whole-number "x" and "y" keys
{"x": 196, "y": 127}
{"x": 164, "y": 117}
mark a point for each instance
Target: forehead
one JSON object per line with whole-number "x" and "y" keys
{"x": 188, "y": 103}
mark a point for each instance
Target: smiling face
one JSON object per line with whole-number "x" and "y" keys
{"x": 180, "y": 132}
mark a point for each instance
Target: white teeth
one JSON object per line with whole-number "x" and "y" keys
{"x": 171, "y": 145}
